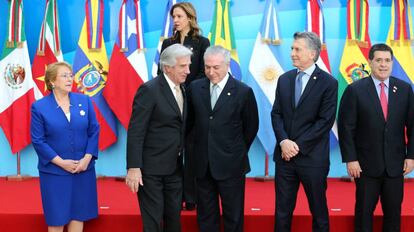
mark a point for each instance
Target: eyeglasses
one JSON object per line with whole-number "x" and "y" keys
{"x": 66, "y": 76}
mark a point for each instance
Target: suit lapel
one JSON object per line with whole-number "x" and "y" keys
{"x": 205, "y": 93}
{"x": 58, "y": 111}
{"x": 168, "y": 94}
{"x": 372, "y": 92}
{"x": 292, "y": 80}
{"x": 184, "y": 101}
{"x": 392, "y": 96}
{"x": 225, "y": 95}
{"x": 311, "y": 82}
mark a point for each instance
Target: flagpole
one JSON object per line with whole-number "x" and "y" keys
{"x": 19, "y": 176}
{"x": 266, "y": 176}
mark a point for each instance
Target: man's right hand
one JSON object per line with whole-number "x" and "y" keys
{"x": 354, "y": 169}
{"x": 134, "y": 179}
{"x": 289, "y": 149}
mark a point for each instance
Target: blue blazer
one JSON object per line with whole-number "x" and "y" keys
{"x": 53, "y": 135}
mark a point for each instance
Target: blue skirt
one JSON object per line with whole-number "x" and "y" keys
{"x": 69, "y": 197}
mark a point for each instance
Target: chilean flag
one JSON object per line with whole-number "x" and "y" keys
{"x": 128, "y": 68}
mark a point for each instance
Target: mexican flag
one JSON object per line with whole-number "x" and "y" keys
{"x": 16, "y": 83}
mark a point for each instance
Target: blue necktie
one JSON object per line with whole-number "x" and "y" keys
{"x": 298, "y": 87}
{"x": 214, "y": 96}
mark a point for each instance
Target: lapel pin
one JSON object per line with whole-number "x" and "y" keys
{"x": 228, "y": 93}
{"x": 82, "y": 113}
{"x": 394, "y": 89}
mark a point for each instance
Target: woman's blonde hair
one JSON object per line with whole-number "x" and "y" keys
{"x": 189, "y": 10}
{"x": 52, "y": 72}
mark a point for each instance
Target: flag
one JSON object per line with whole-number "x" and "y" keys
{"x": 16, "y": 83}
{"x": 399, "y": 38}
{"x": 354, "y": 62}
{"x": 221, "y": 33}
{"x": 165, "y": 33}
{"x": 90, "y": 67}
{"x": 48, "y": 48}
{"x": 265, "y": 73}
{"x": 315, "y": 23}
{"x": 128, "y": 68}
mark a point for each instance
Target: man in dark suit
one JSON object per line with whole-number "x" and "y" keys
{"x": 373, "y": 116}
{"x": 155, "y": 142}
{"x": 223, "y": 111}
{"x": 303, "y": 114}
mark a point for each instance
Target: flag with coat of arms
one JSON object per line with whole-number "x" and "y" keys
{"x": 90, "y": 67}
{"x": 16, "y": 83}
{"x": 127, "y": 68}
{"x": 354, "y": 62}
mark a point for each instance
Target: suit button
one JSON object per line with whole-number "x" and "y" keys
{"x": 211, "y": 117}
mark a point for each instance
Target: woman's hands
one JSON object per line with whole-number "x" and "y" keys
{"x": 73, "y": 166}
{"x": 83, "y": 163}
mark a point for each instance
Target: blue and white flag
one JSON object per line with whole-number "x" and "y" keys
{"x": 265, "y": 72}
{"x": 165, "y": 33}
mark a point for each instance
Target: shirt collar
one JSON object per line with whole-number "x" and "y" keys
{"x": 222, "y": 83}
{"x": 377, "y": 82}
{"x": 169, "y": 81}
{"x": 309, "y": 70}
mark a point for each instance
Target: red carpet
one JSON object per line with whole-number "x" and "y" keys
{"x": 21, "y": 210}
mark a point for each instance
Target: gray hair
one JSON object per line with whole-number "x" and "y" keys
{"x": 217, "y": 49}
{"x": 171, "y": 53}
{"x": 312, "y": 40}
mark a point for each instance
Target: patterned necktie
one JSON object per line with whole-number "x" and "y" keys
{"x": 179, "y": 98}
{"x": 298, "y": 87}
{"x": 214, "y": 95}
{"x": 383, "y": 100}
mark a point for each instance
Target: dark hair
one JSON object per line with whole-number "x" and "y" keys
{"x": 379, "y": 47}
{"x": 312, "y": 40}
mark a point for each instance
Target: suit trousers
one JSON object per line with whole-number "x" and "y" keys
{"x": 313, "y": 179}
{"x": 368, "y": 191}
{"x": 231, "y": 193}
{"x": 160, "y": 202}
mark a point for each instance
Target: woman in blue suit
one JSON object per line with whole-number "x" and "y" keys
{"x": 65, "y": 134}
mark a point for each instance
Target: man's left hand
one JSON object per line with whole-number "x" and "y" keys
{"x": 408, "y": 166}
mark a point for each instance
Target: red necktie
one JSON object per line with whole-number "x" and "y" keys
{"x": 383, "y": 100}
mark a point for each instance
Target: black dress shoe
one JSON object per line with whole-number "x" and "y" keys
{"x": 190, "y": 206}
